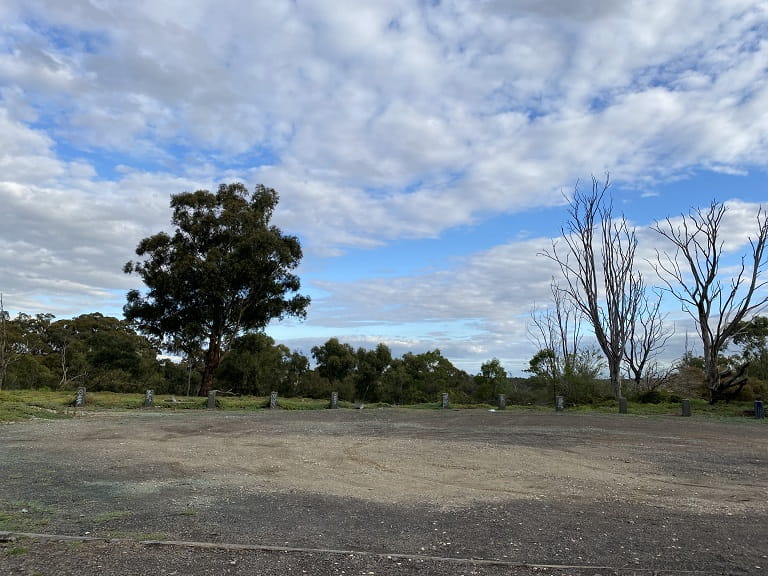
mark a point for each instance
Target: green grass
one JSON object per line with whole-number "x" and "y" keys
{"x": 699, "y": 407}
{"x": 16, "y": 411}
{"x": 17, "y": 405}
{"x": 24, "y": 516}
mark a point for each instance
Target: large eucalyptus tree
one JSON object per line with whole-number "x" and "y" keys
{"x": 224, "y": 272}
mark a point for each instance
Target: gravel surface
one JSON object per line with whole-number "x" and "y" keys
{"x": 383, "y": 492}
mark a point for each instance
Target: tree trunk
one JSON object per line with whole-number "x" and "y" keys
{"x": 614, "y": 368}
{"x": 713, "y": 381}
{"x": 711, "y": 369}
{"x": 212, "y": 361}
{"x": 712, "y": 375}
{"x": 206, "y": 385}
{"x": 64, "y": 368}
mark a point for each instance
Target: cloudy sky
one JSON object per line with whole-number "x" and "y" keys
{"x": 421, "y": 149}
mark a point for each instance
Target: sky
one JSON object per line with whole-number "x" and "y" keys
{"x": 423, "y": 151}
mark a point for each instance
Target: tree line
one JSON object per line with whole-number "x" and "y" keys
{"x": 104, "y": 353}
{"x": 226, "y": 272}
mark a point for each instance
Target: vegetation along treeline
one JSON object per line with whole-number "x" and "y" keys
{"x": 104, "y": 353}
{"x": 226, "y": 272}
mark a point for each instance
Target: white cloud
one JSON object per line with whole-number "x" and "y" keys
{"x": 374, "y": 121}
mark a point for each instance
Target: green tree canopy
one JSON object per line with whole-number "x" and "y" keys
{"x": 371, "y": 364}
{"x": 335, "y": 360}
{"x": 256, "y": 365}
{"x": 492, "y": 380}
{"x": 752, "y": 337}
{"x": 225, "y": 271}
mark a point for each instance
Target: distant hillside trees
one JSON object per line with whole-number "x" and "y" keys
{"x": 257, "y": 366}
{"x": 92, "y": 350}
{"x": 492, "y": 381}
{"x": 107, "y": 354}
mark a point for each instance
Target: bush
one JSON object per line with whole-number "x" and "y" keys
{"x": 653, "y": 397}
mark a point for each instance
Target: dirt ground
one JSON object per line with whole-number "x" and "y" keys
{"x": 383, "y": 492}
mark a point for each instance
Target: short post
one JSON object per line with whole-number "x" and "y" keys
{"x": 212, "y": 400}
{"x": 622, "y": 405}
{"x": 686, "y": 407}
{"x": 80, "y": 397}
{"x": 334, "y": 399}
{"x": 444, "y": 400}
{"x": 502, "y": 401}
{"x": 559, "y": 403}
{"x": 149, "y": 399}
{"x": 273, "y": 400}
{"x": 759, "y": 414}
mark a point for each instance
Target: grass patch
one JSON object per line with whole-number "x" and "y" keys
{"x": 18, "y": 405}
{"x": 17, "y": 411}
{"x": 305, "y": 403}
{"x": 244, "y": 403}
{"x": 108, "y": 516}
{"x": 23, "y": 516}
{"x": 699, "y": 407}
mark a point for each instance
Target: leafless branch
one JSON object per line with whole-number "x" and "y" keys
{"x": 692, "y": 274}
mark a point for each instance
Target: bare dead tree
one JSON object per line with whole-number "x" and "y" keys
{"x": 597, "y": 262}
{"x": 692, "y": 275}
{"x": 557, "y": 335}
{"x": 557, "y": 327}
{"x": 647, "y": 337}
{"x": 656, "y": 376}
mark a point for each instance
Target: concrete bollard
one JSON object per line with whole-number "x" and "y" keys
{"x": 686, "y": 407}
{"x": 759, "y": 413}
{"x": 149, "y": 399}
{"x": 559, "y": 403}
{"x": 444, "y": 400}
{"x": 212, "y": 400}
{"x": 334, "y": 400}
{"x": 273, "y": 400}
{"x": 80, "y": 397}
{"x": 502, "y": 401}
{"x": 622, "y": 405}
